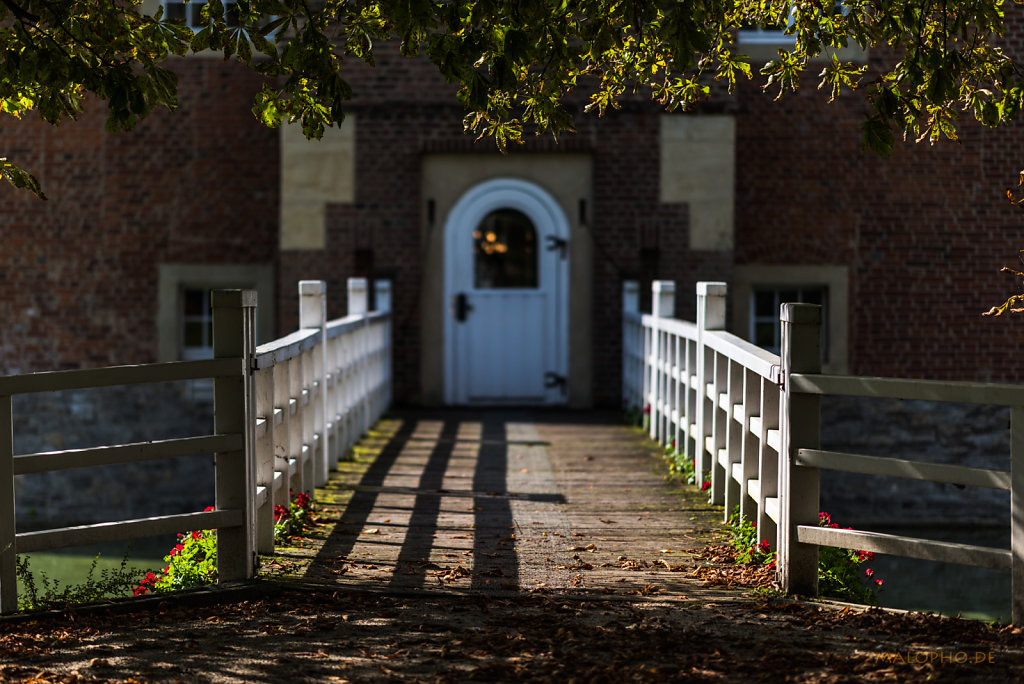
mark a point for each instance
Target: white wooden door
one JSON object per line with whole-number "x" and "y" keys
{"x": 506, "y": 287}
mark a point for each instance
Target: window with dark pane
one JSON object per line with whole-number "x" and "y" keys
{"x": 505, "y": 251}
{"x": 196, "y": 324}
{"x": 190, "y": 12}
{"x": 765, "y": 330}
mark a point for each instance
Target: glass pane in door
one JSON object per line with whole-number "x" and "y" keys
{"x": 505, "y": 251}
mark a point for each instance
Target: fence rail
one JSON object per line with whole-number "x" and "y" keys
{"x": 284, "y": 413}
{"x": 750, "y": 420}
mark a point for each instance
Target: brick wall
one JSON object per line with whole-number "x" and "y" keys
{"x": 404, "y": 111}
{"x": 78, "y": 273}
{"x": 923, "y": 232}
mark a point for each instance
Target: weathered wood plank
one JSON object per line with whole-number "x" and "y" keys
{"x": 287, "y": 347}
{"x": 8, "y": 551}
{"x": 54, "y": 381}
{"x": 922, "y": 390}
{"x": 748, "y": 355}
{"x": 672, "y": 326}
{"x": 898, "y": 467}
{"x": 125, "y": 453}
{"x": 28, "y": 542}
{"x": 910, "y": 547}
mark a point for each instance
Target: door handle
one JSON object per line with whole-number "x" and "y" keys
{"x": 461, "y": 307}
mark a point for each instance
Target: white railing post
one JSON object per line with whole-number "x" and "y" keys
{"x": 313, "y": 314}
{"x": 1017, "y": 513}
{"x": 382, "y": 288}
{"x": 750, "y": 452}
{"x": 336, "y": 358}
{"x": 297, "y": 481}
{"x": 357, "y": 306}
{"x": 768, "y": 462}
{"x": 800, "y": 429}
{"x": 8, "y": 530}
{"x": 264, "y": 383}
{"x": 711, "y": 298}
{"x": 234, "y": 336}
{"x": 282, "y": 434}
{"x": 663, "y": 305}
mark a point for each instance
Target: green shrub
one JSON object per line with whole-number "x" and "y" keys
{"x": 193, "y": 560}
{"x": 43, "y": 593}
{"x": 842, "y": 574}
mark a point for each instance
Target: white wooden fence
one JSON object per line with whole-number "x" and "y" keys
{"x": 751, "y": 421}
{"x": 284, "y": 412}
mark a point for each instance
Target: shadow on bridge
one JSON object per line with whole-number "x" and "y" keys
{"x": 502, "y": 501}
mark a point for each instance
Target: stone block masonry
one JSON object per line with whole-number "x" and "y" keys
{"x": 934, "y": 432}
{"x": 86, "y": 418}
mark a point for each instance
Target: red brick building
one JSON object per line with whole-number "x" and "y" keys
{"x": 775, "y": 198}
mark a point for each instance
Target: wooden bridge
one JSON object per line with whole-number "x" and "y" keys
{"x": 500, "y": 489}
{"x": 507, "y": 501}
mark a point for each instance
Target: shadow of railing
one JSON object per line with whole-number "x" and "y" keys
{"x": 431, "y": 513}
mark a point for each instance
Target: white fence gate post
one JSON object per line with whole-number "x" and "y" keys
{"x": 264, "y": 450}
{"x": 800, "y": 429}
{"x": 234, "y": 336}
{"x": 313, "y": 314}
{"x": 663, "y": 305}
{"x": 8, "y": 543}
{"x": 358, "y": 304}
{"x": 711, "y": 297}
{"x": 1017, "y": 513}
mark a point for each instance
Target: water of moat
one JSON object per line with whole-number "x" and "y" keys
{"x": 976, "y": 593}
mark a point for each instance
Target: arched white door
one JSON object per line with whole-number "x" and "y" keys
{"x": 506, "y": 293}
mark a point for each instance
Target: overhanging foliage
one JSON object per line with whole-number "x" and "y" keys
{"x": 515, "y": 62}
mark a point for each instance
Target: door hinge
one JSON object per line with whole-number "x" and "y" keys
{"x": 560, "y": 244}
{"x": 552, "y": 379}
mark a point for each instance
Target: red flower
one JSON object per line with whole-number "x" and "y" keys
{"x": 647, "y": 410}
{"x": 280, "y": 512}
{"x": 706, "y": 486}
{"x": 823, "y": 518}
{"x": 879, "y": 582}
{"x": 208, "y": 509}
{"x": 764, "y": 546}
{"x": 196, "y": 534}
{"x": 869, "y": 572}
